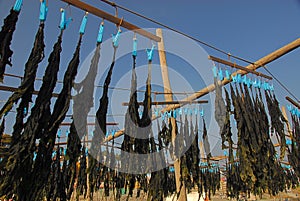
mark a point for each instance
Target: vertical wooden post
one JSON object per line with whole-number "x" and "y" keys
{"x": 169, "y": 97}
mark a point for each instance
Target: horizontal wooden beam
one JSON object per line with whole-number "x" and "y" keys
{"x": 13, "y": 89}
{"x": 118, "y": 21}
{"x": 90, "y": 124}
{"x": 233, "y": 65}
{"x": 259, "y": 63}
{"x": 170, "y": 102}
{"x": 293, "y": 102}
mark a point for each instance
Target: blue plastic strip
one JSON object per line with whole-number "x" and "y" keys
{"x": 83, "y": 24}
{"x": 234, "y": 79}
{"x": 63, "y": 22}
{"x": 43, "y": 11}
{"x": 86, "y": 151}
{"x": 134, "y": 51}
{"x": 34, "y": 156}
{"x": 221, "y": 76}
{"x": 215, "y": 71}
{"x": 175, "y": 114}
{"x": 67, "y": 133}
{"x": 59, "y": 133}
{"x": 227, "y": 74}
{"x": 18, "y": 5}
{"x": 150, "y": 53}
{"x": 202, "y": 113}
{"x": 100, "y": 33}
{"x": 239, "y": 78}
{"x": 116, "y": 38}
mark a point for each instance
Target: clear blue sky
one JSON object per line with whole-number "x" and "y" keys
{"x": 249, "y": 29}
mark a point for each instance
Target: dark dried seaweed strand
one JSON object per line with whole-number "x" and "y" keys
{"x": 206, "y": 142}
{"x": 47, "y": 142}
{"x": 195, "y": 155}
{"x": 19, "y": 162}
{"x": 220, "y": 110}
{"x": 83, "y": 101}
{"x": 277, "y": 121}
{"x": 6, "y": 35}
{"x": 2, "y": 128}
{"x": 26, "y": 88}
{"x": 100, "y": 127}
{"x": 82, "y": 176}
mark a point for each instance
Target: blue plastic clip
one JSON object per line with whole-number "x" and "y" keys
{"x": 86, "y": 151}
{"x": 289, "y": 107}
{"x": 169, "y": 114}
{"x": 59, "y": 133}
{"x": 92, "y": 133}
{"x": 175, "y": 114}
{"x": 63, "y": 22}
{"x": 225, "y": 153}
{"x": 186, "y": 110}
{"x": 214, "y": 69}
{"x": 202, "y": 113}
{"x": 134, "y": 51}
{"x": 18, "y": 5}
{"x": 25, "y": 111}
{"x": 53, "y": 154}
{"x": 239, "y": 78}
{"x": 221, "y": 77}
{"x": 113, "y": 132}
{"x": 65, "y": 152}
{"x": 271, "y": 87}
{"x": 249, "y": 82}
{"x": 100, "y": 33}
{"x": 234, "y": 79}
{"x": 83, "y": 24}
{"x": 244, "y": 80}
{"x": 266, "y": 86}
{"x": 164, "y": 115}
{"x": 141, "y": 114}
{"x": 156, "y": 112}
{"x": 34, "y": 156}
{"x": 227, "y": 74}
{"x": 67, "y": 133}
{"x": 116, "y": 38}
{"x": 180, "y": 111}
{"x": 150, "y": 53}
{"x": 288, "y": 142}
{"x": 43, "y": 10}
{"x": 107, "y": 133}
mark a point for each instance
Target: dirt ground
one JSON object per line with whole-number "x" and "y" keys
{"x": 293, "y": 195}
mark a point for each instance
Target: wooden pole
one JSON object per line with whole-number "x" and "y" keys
{"x": 259, "y": 63}
{"x": 293, "y": 102}
{"x": 118, "y": 21}
{"x": 180, "y": 185}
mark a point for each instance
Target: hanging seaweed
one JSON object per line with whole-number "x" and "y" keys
{"x": 277, "y": 121}
{"x": 131, "y": 124}
{"x": 206, "y": 142}
{"x": 195, "y": 155}
{"x": 26, "y": 88}
{"x": 6, "y": 35}
{"x": 82, "y": 177}
{"x": 47, "y": 140}
{"x": 56, "y": 189}
{"x": 82, "y": 102}
{"x": 2, "y": 128}
{"x": 294, "y": 153}
{"x": 19, "y": 161}
{"x": 100, "y": 127}
{"x": 220, "y": 112}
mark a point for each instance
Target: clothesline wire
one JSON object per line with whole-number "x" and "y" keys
{"x": 199, "y": 41}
